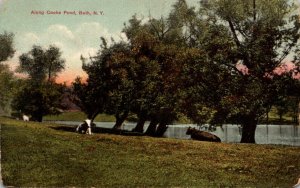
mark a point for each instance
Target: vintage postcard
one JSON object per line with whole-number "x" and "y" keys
{"x": 149, "y": 93}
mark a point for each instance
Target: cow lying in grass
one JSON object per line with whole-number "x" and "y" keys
{"x": 85, "y": 127}
{"x": 202, "y": 135}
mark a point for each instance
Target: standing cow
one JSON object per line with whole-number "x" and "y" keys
{"x": 25, "y": 118}
{"x": 85, "y": 127}
{"x": 202, "y": 135}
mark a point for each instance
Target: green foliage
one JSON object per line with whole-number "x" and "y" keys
{"x": 6, "y": 76}
{"x": 256, "y": 34}
{"x": 7, "y": 82}
{"x": 6, "y": 46}
{"x": 38, "y": 100}
{"x": 40, "y": 95}
{"x": 140, "y": 76}
{"x": 188, "y": 63}
{"x": 107, "y": 83}
{"x": 41, "y": 64}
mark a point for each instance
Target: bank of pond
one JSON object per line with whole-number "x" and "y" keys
{"x": 228, "y": 133}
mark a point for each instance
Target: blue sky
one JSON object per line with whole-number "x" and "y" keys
{"x": 74, "y": 34}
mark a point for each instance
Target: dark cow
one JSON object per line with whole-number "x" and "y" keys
{"x": 202, "y": 135}
{"x": 85, "y": 127}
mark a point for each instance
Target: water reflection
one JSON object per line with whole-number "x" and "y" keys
{"x": 265, "y": 134}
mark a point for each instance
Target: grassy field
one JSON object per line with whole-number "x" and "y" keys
{"x": 78, "y": 116}
{"x": 44, "y": 155}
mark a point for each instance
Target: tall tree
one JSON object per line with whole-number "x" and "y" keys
{"x": 40, "y": 95}
{"x": 259, "y": 35}
{"x": 123, "y": 70}
{"x": 157, "y": 45}
{"x": 96, "y": 93}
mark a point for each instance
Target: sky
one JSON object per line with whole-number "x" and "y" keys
{"x": 33, "y": 22}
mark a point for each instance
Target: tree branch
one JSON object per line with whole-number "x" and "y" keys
{"x": 235, "y": 37}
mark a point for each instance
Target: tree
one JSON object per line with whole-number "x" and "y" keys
{"x": 6, "y": 46}
{"x": 215, "y": 65}
{"x": 140, "y": 76}
{"x": 6, "y": 76}
{"x": 289, "y": 102}
{"x": 157, "y": 47}
{"x": 133, "y": 77}
{"x": 39, "y": 100}
{"x": 257, "y": 34}
{"x": 40, "y": 95}
{"x": 54, "y": 64}
{"x": 82, "y": 96}
{"x": 105, "y": 74}
{"x": 41, "y": 64}
{"x": 122, "y": 94}
{"x": 6, "y": 88}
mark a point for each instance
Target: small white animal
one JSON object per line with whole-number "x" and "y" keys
{"x": 25, "y": 118}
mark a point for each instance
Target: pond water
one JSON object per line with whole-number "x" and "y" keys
{"x": 265, "y": 134}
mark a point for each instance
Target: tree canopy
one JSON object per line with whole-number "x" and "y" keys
{"x": 214, "y": 65}
{"x": 259, "y": 35}
{"x": 41, "y": 64}
{"x": 6, "y": 75}
{"x": 6, "y": 46}
{"x": 40, "y": 95}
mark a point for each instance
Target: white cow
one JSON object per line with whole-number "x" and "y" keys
{"x": 25, "y": 118}
{"x": 85, "y": 127}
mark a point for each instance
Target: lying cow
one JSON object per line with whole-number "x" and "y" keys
{"x": 202, "y": 135}
{"x": 85, "y": 127}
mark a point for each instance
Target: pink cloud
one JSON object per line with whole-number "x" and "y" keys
{"x": 69, "y": 76}
{"x": 283, "y": 68}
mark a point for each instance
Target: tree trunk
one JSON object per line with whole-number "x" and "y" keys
{"x": 119, "y": 120}
{"x": 161, "y": 129}
{"x": 93, "y": 115}
{"x": 40, "y": 118}
{"x": 37, "y": 117}
{"x": 151, "y": 131}
{"x": 299, "y": 113}
{"x": 280, "y": 118}
{"x": 248, "y": 129}
{"x": 140, "y": 124}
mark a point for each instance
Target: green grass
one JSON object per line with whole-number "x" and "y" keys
{"x": 78, "y": 116}
{"x": 38, "y": 155}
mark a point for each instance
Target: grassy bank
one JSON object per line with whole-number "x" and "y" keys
{"x": 78, "y": 116}
{"x": 42, "y": 155}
